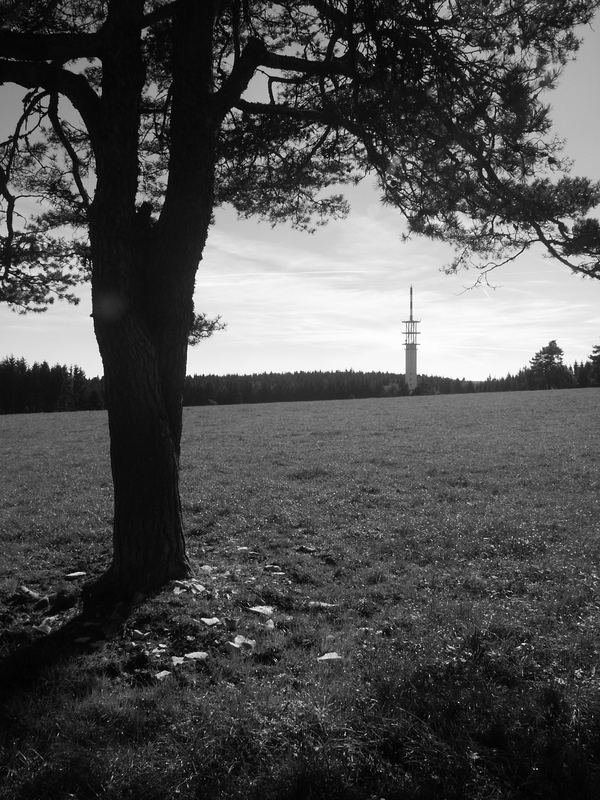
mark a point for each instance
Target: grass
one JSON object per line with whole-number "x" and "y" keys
{"x": 447, "y": 548}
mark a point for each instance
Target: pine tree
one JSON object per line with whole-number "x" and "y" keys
{"x": 548, "y": 370}
{"x": 595, "y": 365}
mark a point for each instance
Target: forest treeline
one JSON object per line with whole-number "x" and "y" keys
{"x": 40, "y": 387}
{"x": 25, "y": 388}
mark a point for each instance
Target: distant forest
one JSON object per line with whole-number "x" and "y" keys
{"x": 39, "y": 387}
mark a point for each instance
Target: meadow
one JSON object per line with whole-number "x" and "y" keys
{"x": 442, "y": 553}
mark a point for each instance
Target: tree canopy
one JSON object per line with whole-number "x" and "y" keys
{"x": 442, "y": 100}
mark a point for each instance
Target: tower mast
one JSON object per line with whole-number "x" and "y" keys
{"x": 411, "y": 332}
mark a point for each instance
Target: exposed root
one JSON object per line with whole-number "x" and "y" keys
{"x": 105, "y": 596}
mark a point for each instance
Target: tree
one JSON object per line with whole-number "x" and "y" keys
{"x": 582, "y": 374}
{"x": 594, "y": 360}
{"x": 548, "y": 370}
{"x": 138, "y": 117}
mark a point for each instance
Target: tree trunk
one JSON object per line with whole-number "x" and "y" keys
{"x": 142, "y": 290}
{"x": 148, "y": 542}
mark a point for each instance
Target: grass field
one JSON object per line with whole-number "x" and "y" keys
{"x": 446, "y": 549}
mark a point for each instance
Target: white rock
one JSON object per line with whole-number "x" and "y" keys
{"x": 160, "y": 676}
{"x": 264, "y": 611}
{"x": 197, "y": 655}
{"x": 210, "y": 621}
{"x": 330, "y": 657}
{"x": 175, "y": 660}
{"x": 72, "y": 576}
{"x": 29, "y": 593}
{"x": 241, "y": 642}
{"x": 194, "y": 586}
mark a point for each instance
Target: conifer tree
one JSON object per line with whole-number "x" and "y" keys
{"x": 595, "y": 365}
{"x": 547, "y": 368}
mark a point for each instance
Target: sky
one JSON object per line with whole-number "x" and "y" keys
{"x": 335, "y": 300}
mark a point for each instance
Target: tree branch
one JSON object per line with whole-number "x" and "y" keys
{"x": 333, "y": 14}
{"x": 66, "y": 143}
{"x": 549, "y": 245}
{"x": 235, "y": 28}
{"x": 50, "y": 46}
{"x": 332, "y": 66}
{"x": 240, "y": 76}
{"x": 31, "y": 74}
{"x": 328, "y": 118}
{"x": 29, "y": 104}
{"x": 281, "y": 110}
{"x": 10, "y": 210}
{"x": 194, "y": 121}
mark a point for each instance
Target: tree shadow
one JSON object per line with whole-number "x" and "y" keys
{"x": 25, "y": 663}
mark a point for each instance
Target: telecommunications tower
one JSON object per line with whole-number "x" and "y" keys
{"x": 410, "y": 345}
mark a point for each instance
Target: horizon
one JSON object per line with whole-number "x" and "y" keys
{"x": 462, "y": 379}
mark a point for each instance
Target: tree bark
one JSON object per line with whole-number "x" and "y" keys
{"x": 148, "y": 541}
